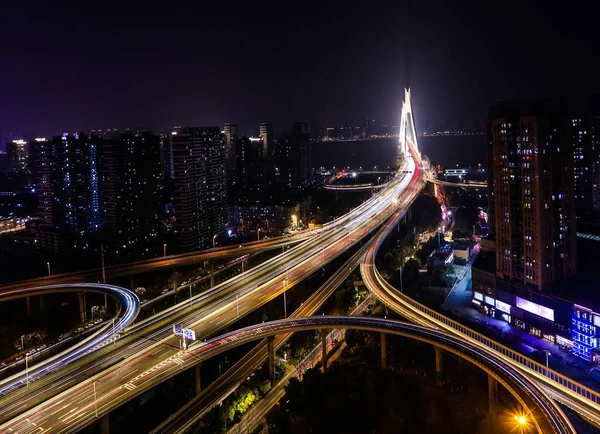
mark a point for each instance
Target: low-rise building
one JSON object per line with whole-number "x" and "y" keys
{"x": 439, "y": 260}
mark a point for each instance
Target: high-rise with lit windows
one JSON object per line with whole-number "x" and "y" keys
{"x": 533, "y": 190}
{"x": 132, "y": 189}
{"x": 200, "y": 185}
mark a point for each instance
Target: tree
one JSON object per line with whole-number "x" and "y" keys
{"x": 456, "y": 234}
{"x": 410, "y": 272}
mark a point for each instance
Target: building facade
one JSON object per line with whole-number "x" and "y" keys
{"x": 533, "y": 190}
{"x": 132, "y": 189}
{"x": 200, "y": 185}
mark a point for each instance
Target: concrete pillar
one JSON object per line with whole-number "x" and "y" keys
{"x": 212, "y": 274}
{"x": 41, "y": 303}
{"x": 492, "y": 394}
{"x": 438, "y": 365}
{"x": 131, "y": 283}
{"x": 28, "y": 305}
{"x": 105, "y": 302}
{"x": 271, "y": 357}
{"x": 324, "y": 348}
{"x": 81, "y": 298}
{"x": 198, "y": 385}
{"x": 104, "y": 424}
{"x": 173, "y": 278}
{"x": 383, "y": 351}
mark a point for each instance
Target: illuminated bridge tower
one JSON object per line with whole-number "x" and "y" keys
{"x": 408, "y": 131}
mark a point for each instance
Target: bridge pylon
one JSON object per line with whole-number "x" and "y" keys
{"x": 408, "y": 130}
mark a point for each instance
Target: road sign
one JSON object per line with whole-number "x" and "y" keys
{"x": 177, "y": 329}
{"x": 189, "y": 334}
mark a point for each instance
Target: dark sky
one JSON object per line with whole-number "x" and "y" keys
{"x": 118, "y": 65}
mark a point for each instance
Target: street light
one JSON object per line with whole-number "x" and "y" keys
{"x": 95, "y": 400}
{"x": 165, "y": 249}
{"x": 285, "y": 281}
{"x": 521, "y": 420}
{"x": 26, "y": 361}
{"x": 48, "y": 264}
{"x": 215, "y": 241}
{"x": 258, "y": 234}
{"x": 400, "y": 268}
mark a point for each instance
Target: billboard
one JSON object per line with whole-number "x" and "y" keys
{"x": 535, "y": 308}
{"x": 501, "y": 306}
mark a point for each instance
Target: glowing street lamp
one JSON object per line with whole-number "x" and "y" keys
{"x": 215, "y": 241}
{"x": 258, "y": 234}
{"x": 165, "y": 249}
{"x": 521, "y": 421}
{"x": 48, "y": 264}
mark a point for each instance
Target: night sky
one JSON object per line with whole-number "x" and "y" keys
{"x": 118, "y": 65}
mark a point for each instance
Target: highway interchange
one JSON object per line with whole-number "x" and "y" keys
{"x": 146, "y": 353}
{"x": 150, "y": 341}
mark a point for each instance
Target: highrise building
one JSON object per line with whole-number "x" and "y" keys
{"x": 232, "y": 143}
{"x": 583, "y": 165}
{"x": 132, "y": 189}
{"x": 533, "y": 192}
{"x": 301, "y": 141}
{"x": 267, "y": 138}
{"x": 249, "y": 178}
{"x": 18, "y": 155}
{"x": 68, "y": 186}
{"x": 200, "y": 185}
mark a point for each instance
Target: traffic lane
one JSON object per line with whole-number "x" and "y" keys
{"x": 375, "y": 209}
{"x": 101, "y": 387}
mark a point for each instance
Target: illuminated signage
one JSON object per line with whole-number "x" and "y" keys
{"x": 504, "y": 307}
{"x": 478, "y": 296}
{"x": 564, "y": 342}
{"x": 535, "y": 308}
{"x": 489, "y": 300}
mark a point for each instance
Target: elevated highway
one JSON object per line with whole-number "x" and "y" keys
{"x": 154, "y": 264}
{"x": 543, "y": 413}
{"x": 149, "y": 342}
{"x": 128, "y": 307}
{"x": 574, "y": 395}
{"x": 217, "y": 391}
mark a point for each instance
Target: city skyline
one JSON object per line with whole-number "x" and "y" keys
{"x": 133, "y": 68}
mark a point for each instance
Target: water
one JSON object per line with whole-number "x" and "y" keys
{"x": 447, "y": 150}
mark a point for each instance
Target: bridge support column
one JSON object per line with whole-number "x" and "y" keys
{"x": 197, "y": 383}
{"x": 271, "y": 357}
{"x": 383, "y": 351}
{"x": 41, "y": 303}
{"x": 492, "y": 394}
{"x": 105, "y": 303}
{"x": 104, "y": 424}
{"x": 82, "y": 313}
{"x": 438, "y": 366}
{"x": 28, "y": 305}
{"x": 131, "y": 283}
{"x": 324, "y": 348}
{"x": 212, "y": 274}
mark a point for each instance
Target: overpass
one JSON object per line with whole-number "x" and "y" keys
{"x": 572, "y": 394}
{"x": 207, "y": 313}
{"x": 154, "y": 264}
{"x": 218, "y": 390}
{"x": 148, "y": 343}
{"x": 542, "y": 412}
{"x": 431, "y": 177}
{"x": 128, "y": 306}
